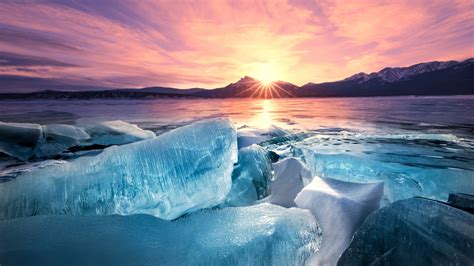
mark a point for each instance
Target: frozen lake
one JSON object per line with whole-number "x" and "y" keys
{"x": 378, "y": 114}
{"x": 205, "y": 192}
{"x": 422, "y": 145}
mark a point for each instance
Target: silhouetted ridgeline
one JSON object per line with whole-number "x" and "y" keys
{"x": 432, "y": 78}
{"x": 87, "y": 95}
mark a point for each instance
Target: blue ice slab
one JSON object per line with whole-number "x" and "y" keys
{"x": 416, "y": 231}
{"x": 262, "y": 234}
{"x": 402, "y": 180}
{"x": 25, "y": 141}
{"x": 251, "y": 177}
{"x": 183, "y": 170}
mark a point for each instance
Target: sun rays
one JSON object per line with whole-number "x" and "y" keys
{"x": 264, "y": 89}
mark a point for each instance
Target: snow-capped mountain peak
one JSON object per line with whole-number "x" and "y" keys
{"x": 390, "y": 74}
{"x": 394, "y": 74}
{"x": 246, "y": 79}
{"x": 360, "y": 75}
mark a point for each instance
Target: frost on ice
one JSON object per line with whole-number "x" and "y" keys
{"x": 183, "y": 170}
{"x": 262, "y": 234}
{"x": 340, "y": 208}
{"x": 251, "y": 177}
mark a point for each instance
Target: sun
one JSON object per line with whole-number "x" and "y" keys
{"x": 265, "y": 83}
{"x": 266, "y": 80}
{"x": 266, "y": 73}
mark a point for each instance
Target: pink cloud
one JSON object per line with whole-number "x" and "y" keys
{"x": 211, "y": 43}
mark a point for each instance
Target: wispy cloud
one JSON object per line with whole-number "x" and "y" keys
{"x": 211, "y": 43}
{"x": 11, "y": 59}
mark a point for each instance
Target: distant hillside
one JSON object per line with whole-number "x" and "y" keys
{"x": 87, "y": 95}
{"x": 168, "y": 90}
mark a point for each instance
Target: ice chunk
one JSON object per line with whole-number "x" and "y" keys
{"x": 251, "y": 176}
{"x": 58, "y": 138}
{"x": 276, "y": 131}
{"x": 402, "y": 180}
{"x": 248, "y": 136}
{"x": 462, "y": 201}
{"x": 19, "y": 140}
{"x": 186, "y": 169}
{"x": 115, "y": 133}
{"x": 340, "y": 207}
{"x": 416, "y": 231}
{"x": 290, "y": 176}
{"x": 245, "y": 139}
{"x": 24, "y": 141}
{"x": 257, "y": 235}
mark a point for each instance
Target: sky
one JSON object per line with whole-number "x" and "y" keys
{"x": 183, "y": 44}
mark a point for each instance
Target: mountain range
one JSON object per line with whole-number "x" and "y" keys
{"x": 248, "y": 87}
{"x": 431, "y": 78}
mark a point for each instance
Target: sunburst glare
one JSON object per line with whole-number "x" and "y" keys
{"x": 269, "y": 89}
{"x": 266, "y": 73}
{"x": 265, "y": 84}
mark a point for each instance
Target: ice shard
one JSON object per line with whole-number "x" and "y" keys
{"x": 25, "y": 141}
{"x": 290, "y": 176}
{"x": 416, "y": 231}
{"x": 251, "y": 177}
{"x": 403, "y": 180}
{"x": 115, "y": 132}
{"x": 262, "y": 234}
{"x": 19, "y": 140}
{"x": 58, "y": 138}
{"x": 340, "y": 207}
{"x": 247, "y": 136}
{"x": 186, "y": 169}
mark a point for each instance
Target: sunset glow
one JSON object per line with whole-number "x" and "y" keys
{"x": 266, "y": 73}
{"x": 212, "y": 43}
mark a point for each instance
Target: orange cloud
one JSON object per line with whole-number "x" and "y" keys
{"x": 211, "y": 43}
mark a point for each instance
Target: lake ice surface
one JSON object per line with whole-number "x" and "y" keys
{"x": 418, "y": 145}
